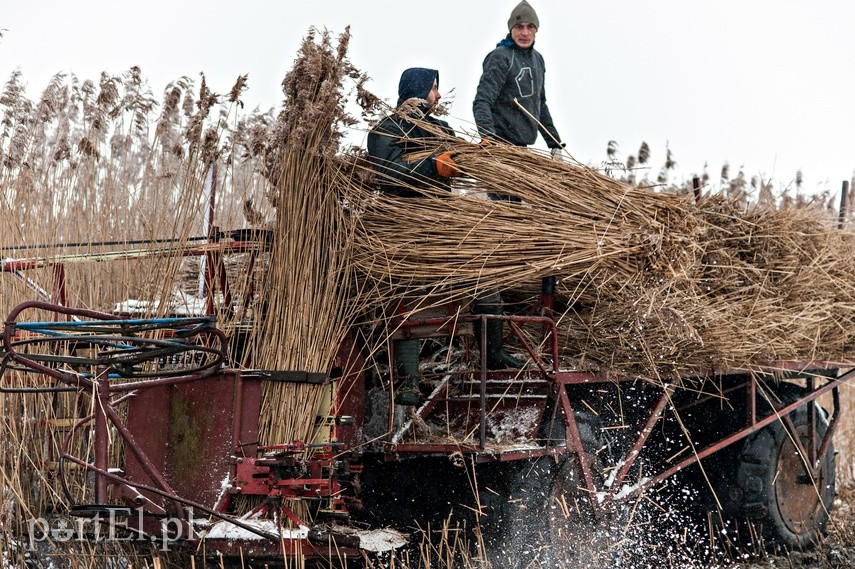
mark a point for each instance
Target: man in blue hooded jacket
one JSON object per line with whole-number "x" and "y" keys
{"x": 396, "y": 137}
{"x": 513, "y": 77}
{"x": 389, "y": 143}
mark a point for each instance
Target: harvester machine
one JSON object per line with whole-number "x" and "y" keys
{"x": 172, "y": 454}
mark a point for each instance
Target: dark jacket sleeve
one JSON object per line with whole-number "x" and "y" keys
{"x": 493, "y": 77}
{"x": 386, "y": 154}
{"x": 549, "y": 132}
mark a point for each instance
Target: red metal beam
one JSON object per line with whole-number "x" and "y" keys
{"x": 652, "y": 419}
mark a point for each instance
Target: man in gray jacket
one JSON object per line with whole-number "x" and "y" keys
{"x": 513, "y": 77}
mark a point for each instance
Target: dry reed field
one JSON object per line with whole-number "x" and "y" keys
{"x": 113, "y": 183}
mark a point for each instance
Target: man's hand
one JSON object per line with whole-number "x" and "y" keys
{"x": 558, "y": 152}
{"x": 446, "y": 166}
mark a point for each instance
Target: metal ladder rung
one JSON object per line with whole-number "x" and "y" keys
{"x": 509, "y": 397}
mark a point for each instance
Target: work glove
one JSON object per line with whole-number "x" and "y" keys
{"x": 558, "y": 153}
{"x": 446, "y": 166}
{"x": 486, "y": 142}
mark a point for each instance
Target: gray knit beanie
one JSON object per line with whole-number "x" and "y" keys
{"x": 523, "y": 13}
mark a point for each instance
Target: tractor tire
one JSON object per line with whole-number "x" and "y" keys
{"x": 547, "y": 518}
{"x": 778, "y": 492}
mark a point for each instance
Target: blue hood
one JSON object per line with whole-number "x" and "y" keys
{"x": 416, "y": 82}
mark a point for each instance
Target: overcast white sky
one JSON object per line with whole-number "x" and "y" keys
{"x": 767, "y": 84}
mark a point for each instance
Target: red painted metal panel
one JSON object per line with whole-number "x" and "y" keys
{"x": 188, "y": 432}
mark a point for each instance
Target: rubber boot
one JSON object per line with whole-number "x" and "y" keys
{"x": 497, "y": 357}
{"x": 407, "y": 369}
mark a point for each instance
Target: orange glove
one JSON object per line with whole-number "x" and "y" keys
{"x": 485, "y": 142}
{"x": 446, "y": 166}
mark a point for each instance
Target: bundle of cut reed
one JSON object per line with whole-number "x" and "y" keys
{"x": 769, "y": 285}
{"x": 795, "y": 265}
{"x": 569, "y": 222}
{"x": 306, "y": 289}
{"x": 649, "y": 281}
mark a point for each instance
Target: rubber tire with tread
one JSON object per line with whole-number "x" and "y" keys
{"x": 770, "y": 470}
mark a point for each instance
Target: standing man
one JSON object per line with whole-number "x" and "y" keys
{"x": 513, "y": 77}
